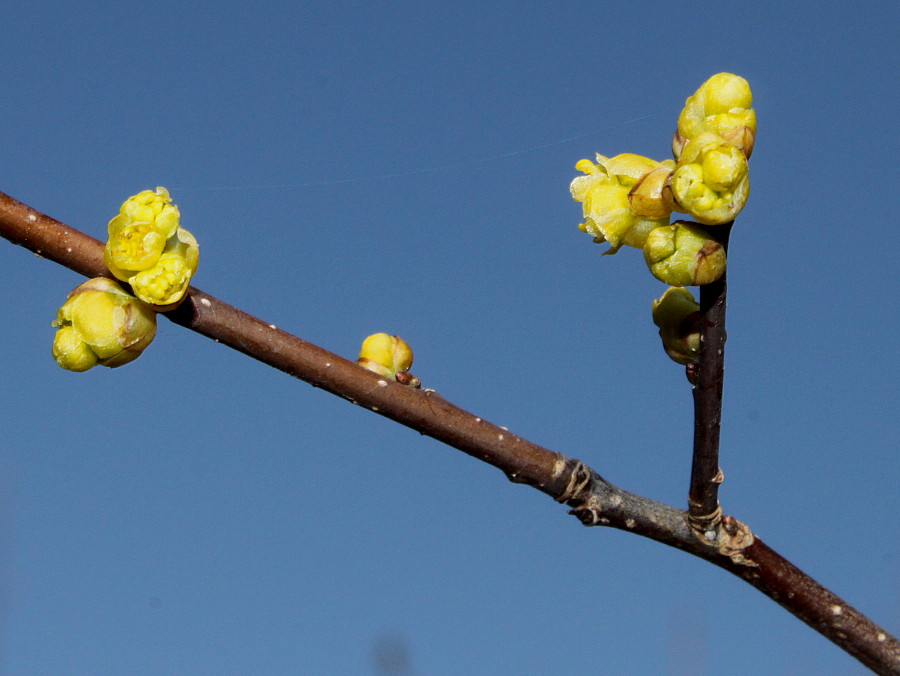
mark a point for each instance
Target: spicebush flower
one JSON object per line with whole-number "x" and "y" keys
{"x": 164, "y": 285}
{"x": 684, "y": 254}
{"x": 101, "y": 324}
{"x": 611, "y": 213}
{"x": 722, "y": 106}
{"x": 148, "y": 249}
{"x": 711, "y": 182}
{"x": 677, "y": 315}
{"x": 138, "y": 234}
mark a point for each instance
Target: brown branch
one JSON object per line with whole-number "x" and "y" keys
{"x": 592, "y": 499}
{"x": 703, "y": 496}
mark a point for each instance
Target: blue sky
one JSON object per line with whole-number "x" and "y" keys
{"x": 358, "y": 167}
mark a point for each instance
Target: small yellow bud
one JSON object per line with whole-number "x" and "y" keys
{"x": 651, "y": 196}
{"x": 677, "y": 315}
{"x": 165, "y": 284}
{"x": 684, "y": 254}
{"x": 388, "y": 356}
{"x": 608, "y": 211}
{"x": 101, "y": 324}
{"x": 138, "y": 234}
{"x": 711, "y": 182}
{"x": 722, "y": 106}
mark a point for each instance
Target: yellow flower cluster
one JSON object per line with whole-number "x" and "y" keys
{"x": 623, "y": 198}
{"x": 627, "y": 199}
{"x": 101, "y": 323}
{"x": 722, "y": 106}
{"x": 148, "y": 249}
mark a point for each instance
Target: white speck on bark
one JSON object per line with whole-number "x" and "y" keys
{"x": 836, "y": 610}
{"x": 205, "y": 302}
{"x": 382, "y": 383}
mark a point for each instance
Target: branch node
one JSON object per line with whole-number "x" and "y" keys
{"x": 705, "y": 526}
{"x": 729, "y": 536}
{"x": 580, "y": 479}
{"x": 734, "y": 538}
{"x": 579, "y": 495}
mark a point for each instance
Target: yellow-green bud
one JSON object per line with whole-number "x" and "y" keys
{"x": 138, "y": 234}
{"x": 651, "y": 196}
{"x": 711, "y": 182}
{"x": 388, "y": 356}
{"x": 677, "y": 315}
{"x": 101, "y": 324}
{"x": 165, "y": 284}
{"x": 722, "y": 106}
{"x": 684, "y": 254}
{"x": 604, "y": 190}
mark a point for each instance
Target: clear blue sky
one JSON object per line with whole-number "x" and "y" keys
{"x": 358, "y": 167}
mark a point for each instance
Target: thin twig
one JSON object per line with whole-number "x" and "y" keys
{"x": 593, "y": 500}
{"x": 703, "y": 496}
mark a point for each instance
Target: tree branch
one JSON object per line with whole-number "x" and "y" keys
{"x": 703, "y": 496}
{"x": 593, "y": 500}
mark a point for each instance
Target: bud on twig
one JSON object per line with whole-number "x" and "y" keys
{"x": 677, "y": 315}
{"x": 722, "y": 106}
{"x": 684, "y": 254}
{"x": 388, "y": 356}
{"x": 148, "y": 249}
{"x": 711, "y": 182}
{"x": 101, "y": 324}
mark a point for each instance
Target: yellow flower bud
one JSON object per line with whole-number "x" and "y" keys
{"x": 684, "y": 254}
{"x": 388, "y": 356}
{"x": 722, "y": 106}
{"x": 165, "y": 284}
{"x": 651, "y": 196}
{"x": 138, "y": 234}
{"x": 101, "y": 324}
{"x": 677, "y": 315}
{"x": 604, "y": 191}
{"x": 711, "y": 182}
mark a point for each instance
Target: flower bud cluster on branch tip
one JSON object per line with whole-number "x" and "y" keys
{"x": 388, "y": 356}
{"x": 148, "y": 249}
{"x": 628, "y": 199}
{"x": 677, "y": 315}
{"x": 101, "y": 324}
